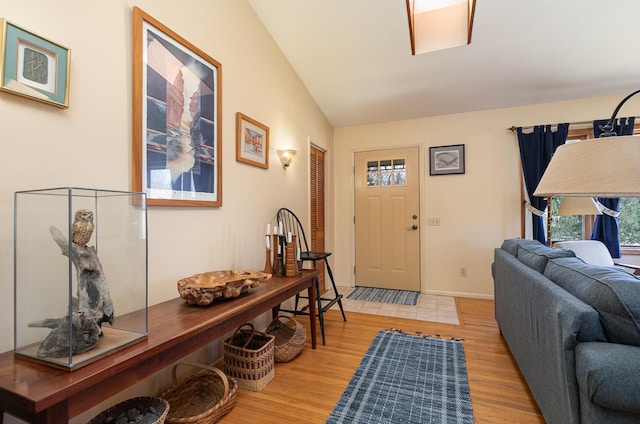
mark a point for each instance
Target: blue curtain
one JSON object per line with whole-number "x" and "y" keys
{"x": 605, "y": 228}
{"x": 536, "y": 150}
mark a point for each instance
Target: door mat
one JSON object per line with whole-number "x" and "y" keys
{"x": 372, "y": 294}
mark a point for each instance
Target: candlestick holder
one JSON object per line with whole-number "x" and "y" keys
{"x": 290, "y": 265}
{"x": 267, "y": 262}
{"x": 278, "y": 266}
{"x": 275, "y": 248}
{"x": 296, "y": 253}
{"x": 278, "y": 262}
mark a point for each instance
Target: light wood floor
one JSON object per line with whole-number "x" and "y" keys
{"x": 306, "y": 389}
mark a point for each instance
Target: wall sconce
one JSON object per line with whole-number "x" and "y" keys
{"x": 286, "y": 156}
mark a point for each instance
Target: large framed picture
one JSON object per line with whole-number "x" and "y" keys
{"x": 33, "y": 67}
{"x": 176, "y": 118}
{"x": 444, "y": 160}
{"x": 252, "y": 141}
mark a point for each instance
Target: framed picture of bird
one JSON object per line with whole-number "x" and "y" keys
{"x": 177, "y": 106}
{"x": 445, "y": 160}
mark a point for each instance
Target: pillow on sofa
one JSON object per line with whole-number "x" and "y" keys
{"x": 614, "y": 293}
{"x": 535, "y": 254}
{"x": 511, "y": 245}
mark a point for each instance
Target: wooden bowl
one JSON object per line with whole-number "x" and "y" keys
{"x": 203, "y": 289}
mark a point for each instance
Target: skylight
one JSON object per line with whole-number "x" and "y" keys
{"x": 439, "y": 24}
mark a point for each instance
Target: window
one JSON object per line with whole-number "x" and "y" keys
{"x": 629, "y": 222}
{"x": 572, "y": 227}
{"x": 386, "y": 172}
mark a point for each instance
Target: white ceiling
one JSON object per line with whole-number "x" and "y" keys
{"x": 355, "y": 59}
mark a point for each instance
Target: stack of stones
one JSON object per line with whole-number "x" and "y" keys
{"x": 137, "y": 415}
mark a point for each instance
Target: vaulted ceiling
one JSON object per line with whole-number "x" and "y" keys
{"x": 355, "y": 59}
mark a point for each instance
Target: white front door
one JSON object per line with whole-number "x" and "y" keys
{"x": 387, "y": 222}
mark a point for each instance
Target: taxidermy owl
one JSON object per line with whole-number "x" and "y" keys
{"x": 82, "y": 227}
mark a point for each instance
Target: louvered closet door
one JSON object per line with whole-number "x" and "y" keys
{"x": 317, "y": 208}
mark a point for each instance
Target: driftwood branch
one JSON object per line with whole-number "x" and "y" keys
{"x": 85, "y": 333}
{"x": 94, "y": 299}
{"x": 90, "y": 309}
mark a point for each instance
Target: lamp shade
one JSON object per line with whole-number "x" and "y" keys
{"x": 602, "y": 167}
{"x": 578, "y": 206}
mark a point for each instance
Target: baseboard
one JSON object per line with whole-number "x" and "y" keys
{"x": 459, "y": 294}
{"x": 448, "y": 293}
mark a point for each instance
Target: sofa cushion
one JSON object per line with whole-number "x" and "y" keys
{"x": 614, "y": 293}
{"x": 608, "y": 375}
{"x": 535, "y": 254}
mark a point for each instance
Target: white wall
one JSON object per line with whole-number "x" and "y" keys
{"x": 477, "y": 210}
{"x": 89, "y": 144}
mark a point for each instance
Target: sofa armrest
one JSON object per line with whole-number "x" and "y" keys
{"x": 608, "y": 375}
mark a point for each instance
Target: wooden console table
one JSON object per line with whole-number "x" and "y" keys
{"x": 40, "y": 393}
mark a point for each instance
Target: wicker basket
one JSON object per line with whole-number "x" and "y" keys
{"x": 144, "y": 404}
{"x": 248, "y": 357}
{"x": 203, "y": 397}
{"x": 290, "y": 337}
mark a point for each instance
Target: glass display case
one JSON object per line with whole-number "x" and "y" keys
{"x": 80, "y": 273}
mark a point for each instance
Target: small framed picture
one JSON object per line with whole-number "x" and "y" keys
{"x": 252, "y": 141}
{"x": 444, "y": 160}
{"x": 33, "y": 67}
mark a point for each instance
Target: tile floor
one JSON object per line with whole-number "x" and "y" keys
{"x": 430, "y": 307}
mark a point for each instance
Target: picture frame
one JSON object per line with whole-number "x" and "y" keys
{"x": 177, "y": 115}
{"x": 33, "y": 67}
{"x": 446, "y": 160}
{"x": 252, "y": 141}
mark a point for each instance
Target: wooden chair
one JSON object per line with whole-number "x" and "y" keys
{"x": 291, "y": 223}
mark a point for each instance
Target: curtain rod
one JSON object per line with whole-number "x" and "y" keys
{"x": 579, "y": 123}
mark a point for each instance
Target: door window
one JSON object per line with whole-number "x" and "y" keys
{"x": 387, "y": 172}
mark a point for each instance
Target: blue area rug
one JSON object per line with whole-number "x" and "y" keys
{"x": 371, "y": 294}
{"x": 407, "y": 379}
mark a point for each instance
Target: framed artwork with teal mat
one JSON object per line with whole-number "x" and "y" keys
{"x": 33, "y": 67}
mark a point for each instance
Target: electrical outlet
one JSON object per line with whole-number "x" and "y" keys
{"x": 463, "y": 272}
{"x": 433, "y": 221}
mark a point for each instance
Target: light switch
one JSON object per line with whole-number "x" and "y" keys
{"x": 433, "y": 221}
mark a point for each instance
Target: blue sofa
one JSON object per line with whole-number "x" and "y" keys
{"x": 574, "y": 331}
